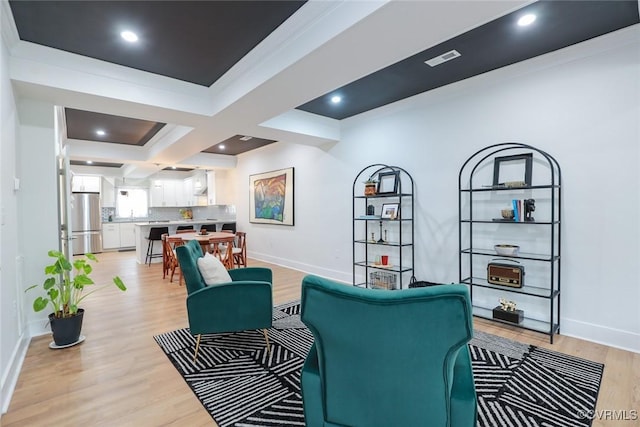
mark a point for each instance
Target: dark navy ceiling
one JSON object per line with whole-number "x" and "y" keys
{"x": 85, "y": 125}
{"x": 193, "y": 41}
{"x": 496, "y": 44}
{"x": 198, "y": 41}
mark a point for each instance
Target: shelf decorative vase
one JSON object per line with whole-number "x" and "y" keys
{"x": 370, "y": 189}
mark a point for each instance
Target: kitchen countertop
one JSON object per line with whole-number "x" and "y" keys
{"x": 187, "y": 221}
{"x": 171, "y": 222}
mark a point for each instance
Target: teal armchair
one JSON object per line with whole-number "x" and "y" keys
{"x": 387, "y": 358}
{"x": 242, "y": 304}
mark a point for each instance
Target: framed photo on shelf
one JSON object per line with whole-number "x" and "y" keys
{"x": 271, "y": 197}
{"x": 513, "y": 169}
{"x": 390, "y": 211}
{"x": 388, "y": 182}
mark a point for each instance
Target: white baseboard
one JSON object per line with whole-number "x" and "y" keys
{"x": 339, "y": 276}
{"x": 10, "y": 376}
{"x": 617, "y": 338}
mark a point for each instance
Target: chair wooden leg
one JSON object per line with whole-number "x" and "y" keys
{"x": 195, "y": 356}
{"x": 266, "y": 338}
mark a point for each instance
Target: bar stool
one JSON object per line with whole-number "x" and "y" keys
{"x": 208, "y": 227}
{"x": 155, "y": 235}
{"x": 230, "y": 226}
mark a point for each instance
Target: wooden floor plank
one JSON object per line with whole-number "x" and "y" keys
{"x": 120, "y": 377}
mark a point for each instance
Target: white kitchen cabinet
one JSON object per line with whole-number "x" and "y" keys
{"x": 156, "y": 193}
{"x": 108, "y": 194}
{"x": 85, "y": 184}
{"x": 187, "y": 192}
{"x": 211, "y": 188}
{"x": 171, "y": 193}
{"x": 219, "y": 188}
{"x": 110, "y": 235}
{"x": 127, "y": 235}
{"x": 164, "y": 192}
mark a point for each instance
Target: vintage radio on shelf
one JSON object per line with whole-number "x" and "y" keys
{"x": 505, "y": 274}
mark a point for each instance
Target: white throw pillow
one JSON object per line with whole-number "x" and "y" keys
{"x": 212, "y": 270}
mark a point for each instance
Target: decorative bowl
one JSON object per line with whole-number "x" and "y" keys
{"x": 507, "y": 213}
{"x": 507, "y": 250}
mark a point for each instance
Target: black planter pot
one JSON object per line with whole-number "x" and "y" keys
{"x": 66, "y": 330}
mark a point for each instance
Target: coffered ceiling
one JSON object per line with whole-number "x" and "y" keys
{"x": 209, "y": 80}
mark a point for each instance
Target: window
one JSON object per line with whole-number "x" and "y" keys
{"x": 132, "y": 202}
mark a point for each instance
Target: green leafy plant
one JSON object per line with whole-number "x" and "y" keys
{"x": 64, "y": 292}
{"x": 370, "y": 181}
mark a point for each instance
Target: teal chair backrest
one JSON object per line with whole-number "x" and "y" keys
{"x": 188, "y": 255}
{"x": 386, "y": 357}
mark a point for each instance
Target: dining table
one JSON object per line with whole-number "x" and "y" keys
{"x": 210, "y": 243}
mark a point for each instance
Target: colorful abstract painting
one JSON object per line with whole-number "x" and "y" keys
{"x": 271, "y": 197}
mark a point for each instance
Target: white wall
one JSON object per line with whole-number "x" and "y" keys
{"x": 37, "y": 200}
{"x": 12, "y": 339}
{"x": 28, "y": 220}
{"x": 581, "y": 104}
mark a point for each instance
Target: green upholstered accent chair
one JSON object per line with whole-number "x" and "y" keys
{"x": 387, "y": 358}
{"x": 243, "y": 304}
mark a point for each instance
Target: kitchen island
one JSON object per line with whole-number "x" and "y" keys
{"x": 142, "y": 232}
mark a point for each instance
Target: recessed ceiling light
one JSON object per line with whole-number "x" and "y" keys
{"x": 129, "y": 36}
{"x": 221, "y": 146}
{"x": 336, "y": 99}
{"x": 173, "y": 167}
{"x": 526, "y": 19}
{"x": 100, "y": 132}
{"x": 89, "y": 162}
{"x": 246, "y": 138}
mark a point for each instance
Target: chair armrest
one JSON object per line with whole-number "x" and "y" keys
{"x": 230, "y": 307}
{"x": 464, "y": 409}
{"x": 251, "y": 273}
{"x": 312, "y": 390}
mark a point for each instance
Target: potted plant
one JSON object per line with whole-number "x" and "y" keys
{"x": 370, "y": 186}
{"x": 64, "y": 294}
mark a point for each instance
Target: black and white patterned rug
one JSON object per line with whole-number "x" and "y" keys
{"x": 241, "y": 385}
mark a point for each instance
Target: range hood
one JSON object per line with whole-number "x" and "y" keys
{"x": 200, "y": 190}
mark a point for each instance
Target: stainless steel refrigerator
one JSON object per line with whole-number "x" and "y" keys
{"x": 86, "y": 223}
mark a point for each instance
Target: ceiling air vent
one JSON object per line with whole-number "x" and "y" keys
{"x": 452, "y": 54}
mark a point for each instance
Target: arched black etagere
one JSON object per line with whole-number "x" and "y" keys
{"x": 481, "y": 196}
{"x": 380, "y": 236}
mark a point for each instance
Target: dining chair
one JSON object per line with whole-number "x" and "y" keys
{"x": 185, "y": 230}
{"x": 223, "y": 249}
{"x": 240, "y": 249}
{"x": 169, "y": 244}
{"x": 165, "y": 255}
{"x": 189, "y": 228}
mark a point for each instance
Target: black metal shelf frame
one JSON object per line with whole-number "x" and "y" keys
{"x": 469, "y": 254}
{"x": 405, "y": 199}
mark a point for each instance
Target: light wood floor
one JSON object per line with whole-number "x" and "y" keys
{"x": 120, "y": 377}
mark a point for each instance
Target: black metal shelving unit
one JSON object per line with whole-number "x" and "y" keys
{"x": 473, "y": 227}
{"x": 399, "y": 246}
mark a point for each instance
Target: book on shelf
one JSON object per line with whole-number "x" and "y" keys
{"x": 518, "y": 210}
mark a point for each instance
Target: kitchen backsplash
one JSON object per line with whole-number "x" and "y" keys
{"x": 173, "y": 214}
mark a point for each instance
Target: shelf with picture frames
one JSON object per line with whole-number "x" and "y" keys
{"x": 383, "y": 227}
{"x": 509, "y": 195}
